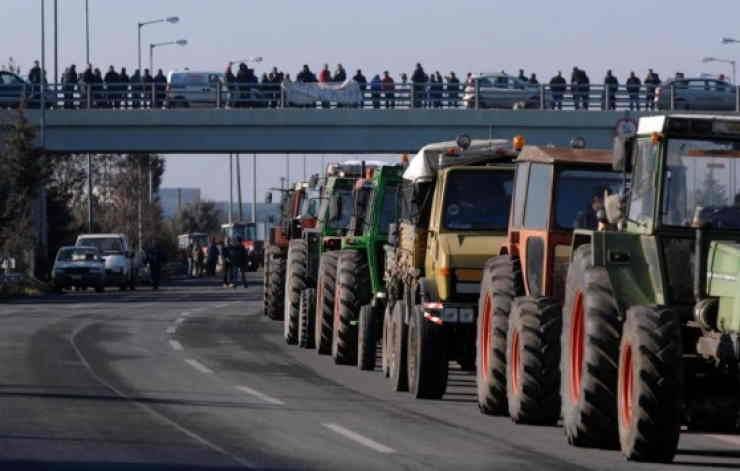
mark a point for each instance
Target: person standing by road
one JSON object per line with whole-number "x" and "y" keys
{"x": 226, "y": 257}
{"x": 633, "y": 91}
{"x": 154, "y": 259}
{"x": 611, "y": 85}
{"x": 212, "y": 258}
{"x": 199, "y": 258}
{"x": 239, "y": 263}
{"x": 557, "y": 90}
{"x": 651, "y": 83}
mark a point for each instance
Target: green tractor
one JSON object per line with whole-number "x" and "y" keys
{"x": 306, "y": 253}
{"x": 359, "y": 292}
{"x": 651, "y": 318}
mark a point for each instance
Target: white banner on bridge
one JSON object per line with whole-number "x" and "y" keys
{"x": 347, "y": 93}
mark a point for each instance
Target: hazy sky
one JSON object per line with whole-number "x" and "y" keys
{"x": 461, "y": 35}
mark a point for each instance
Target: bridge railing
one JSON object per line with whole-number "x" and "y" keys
{"x": 400, "y": 96}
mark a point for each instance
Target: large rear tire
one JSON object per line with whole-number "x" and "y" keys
{"x": 397, "y": 361}
{"x": 276, "y": 284}
{"x": 307, "y": 318}
{"x": 325, "y": 287}
{"x": 367, "y": 338}
{"x": 353, "y": 280}
{"x": 427, "y": 357}
{"x": 589, "y": 355}
{"x": 533, "y": 360}
{"x": 650, "y": 384}
{"x": 295, "y": 283}
{"x": 501, "y": 283}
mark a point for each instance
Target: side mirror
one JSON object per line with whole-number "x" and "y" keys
{"x": 268, "y": 197}
{"x": 621, "y": 156}
{"x": 613, "y": 205}
{"x": 393, "y": 234}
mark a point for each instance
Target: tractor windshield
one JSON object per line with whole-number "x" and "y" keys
{"x": 477, "y": 200}
{"x": 580, "y": 195}
{"x": 700, "y": 187}
{"x": 345, "y": 209}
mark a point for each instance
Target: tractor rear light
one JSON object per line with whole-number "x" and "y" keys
{"x": 433, "y": 318}
{"x": 432, "y": 306}
{"x": 444, "y": 271}
{"x": 331, "y": 244}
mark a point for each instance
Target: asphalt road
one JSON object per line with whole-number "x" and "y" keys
{"x": 193, "y": 377}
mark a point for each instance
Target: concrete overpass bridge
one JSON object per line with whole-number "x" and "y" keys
{"x": 265, "y": 131}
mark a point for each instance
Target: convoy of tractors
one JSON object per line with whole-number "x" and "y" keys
{"x": 597, "y": 289}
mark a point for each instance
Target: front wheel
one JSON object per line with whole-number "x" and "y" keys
{"x": 427, "y": 357}
{"x": 397, "y": 342}
{"x": 650, "y": 384}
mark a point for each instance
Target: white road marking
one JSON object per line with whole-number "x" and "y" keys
{"x": 176, "y": 345}
{"x": 171, "y": 330}
{"x": 356, "y": 437}
{"x": 185, "y": 314}
{"x": 259, "y": 395}
{"x": 219, "y": 306}
{"x": 180, "y": 321}
{"x": 731, "y": 439}
{"x": 198, "y": 366}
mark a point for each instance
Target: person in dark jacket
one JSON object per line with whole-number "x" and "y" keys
{"x": 34, "y": 75}
{"x": 305, "y": 75}
{"x": 69, "y": 80}
{"x": 389, "y": 88}
{"x": 154, "y": 259}
{"x": 633, "y": 91}
{"x": 160, "y": 88}
{"x": 419, "y": 81}
{"x": 651, "y": 83}
{"x": 558, "y": 86}
{"x": 230, "y": 83}
{"x": 240, "y": 261}
{"x": 212, "y": 258}
{"x": 136, "y": 89}
{"x": 376, "y": 85}
{"x": 98, "y": 95}
{"x": 124, "y": 81}
{"x": 522, "y": 77}
{"x": 227, "y": 265}
{"x": 453, "y": 90}
{"x": 147, "y": 80}
{"x": 611, "y": 85}
{"x": 340, "y": 75}
{"x": 533, "y": 80}
{"x": 111, "y": 85}
{"x": 362, "y": 82}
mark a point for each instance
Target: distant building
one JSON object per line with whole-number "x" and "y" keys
{"x": 173, "y": 199}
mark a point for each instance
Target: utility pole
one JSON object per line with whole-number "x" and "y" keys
{"x": 89, "y": 194}
{"x": 254, "y": 188}
{"x": 287, "y": 170}
{"x": 43, "y": 75}
{"x": 239, "y": 186}
{"x": 231, "y": 187}
{"x": 140, "y": 198}
{"x": 56, "y": 44}
{"x": 87, "y": 32}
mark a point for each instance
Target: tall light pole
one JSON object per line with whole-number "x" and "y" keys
{"x": 231, "y": 187}
{"x": 87, "y": 32}
{"x": 43, "y": 75}
{"x": 56, "y": 43}
{"x": 706, "y": 60}
{"x": 254, "y": 188}
{"x": 179, "y": 42}
{"x": 89, "y": 155}
{"x": 141, "y": 24}
{"x": 239, "y": 186}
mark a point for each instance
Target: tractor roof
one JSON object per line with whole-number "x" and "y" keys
{"x": 554, "y": 155}
{"x": 433, "y": 157}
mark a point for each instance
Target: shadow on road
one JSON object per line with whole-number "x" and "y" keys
{"x": 23, "y": 465}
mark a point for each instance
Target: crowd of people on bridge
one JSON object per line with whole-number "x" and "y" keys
{"x": 422, "y": 89}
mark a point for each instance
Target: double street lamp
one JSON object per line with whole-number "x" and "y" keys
{"x": 141, "y": 24}
{"x": 724, "y": 61}
{"x": 179, "y": 42}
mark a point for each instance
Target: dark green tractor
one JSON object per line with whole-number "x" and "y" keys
{"x": 651, "y": 319}
{"x": 359, "y": 293}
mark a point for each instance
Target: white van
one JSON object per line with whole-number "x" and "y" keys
{"x": 188, "y": 88}
{"x": 120, "y": 267}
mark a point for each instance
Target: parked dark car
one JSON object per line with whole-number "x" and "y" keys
{"x": 79, "y": 267}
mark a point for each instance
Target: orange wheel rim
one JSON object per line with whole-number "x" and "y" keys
{"x": 626, "y": 383}
{"x": 515, "y": 361}
{"x": 577, "y": 333}
{"x": 483, "y": 347}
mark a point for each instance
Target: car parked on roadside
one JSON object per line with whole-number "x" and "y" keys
{"x": 120, "y": 266}
{"x": 79, "y": 267}
{"x": 704, "y": 94}
{"x": 501, "y": 90}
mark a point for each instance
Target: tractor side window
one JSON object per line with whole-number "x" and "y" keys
{"x": 642, "y": 192}
{"x": 388, "y": 212}
{"x": 538, "y": 196}
{"x": 520, "y": 192}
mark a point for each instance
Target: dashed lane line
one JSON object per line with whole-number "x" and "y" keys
{"x": 259, "y": 395}
{"x": 176, "y": 345}
{"x": 198, "y": 366}
{"x": 357, "y": 438}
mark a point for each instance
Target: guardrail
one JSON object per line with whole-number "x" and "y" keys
{"x": 401, "y": 96}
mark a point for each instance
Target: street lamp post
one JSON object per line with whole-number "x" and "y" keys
{"x": 179, "y": 42}
{"x": 706, "y": 60}
{"x": 141, "y": 24}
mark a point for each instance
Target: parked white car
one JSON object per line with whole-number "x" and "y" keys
{"x": 120, "y": 266}
{"x": 501, "y": 90}
{"x": 189, "y": 88}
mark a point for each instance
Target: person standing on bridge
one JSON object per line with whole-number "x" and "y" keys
{"x": 325, "y": 77}
{"x": 305, "y": 75}
{"x": 69, "y": 79}
{"x": 633, "y": 91}
{"x": 419, "y": 81}
{"x": 611, "y": 85}
{"x": 522, "y": 77}
{"x": 147, "y": 81}
{"x": 136, "y": 89}
{"x": 651, "y": 83}
{"x": 160, "y": 88}
{"x": 86, "y": 82}
{"x": 362, "y": 82}
{"x": 34, "y": 77}
{"x": 376, "y": 85}
{"x": 389, "y": 87}
{"x": 340, "y": 75}
{"x": 111, "y": 81}
{"x": 124, "y": 80}
{"x": 453, "y": 90}
{"x": 230, "y": 83}
{"x": 558, "y": 86}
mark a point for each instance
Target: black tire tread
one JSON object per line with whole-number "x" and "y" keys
{"x": 325, "y": 302}
{"x": 353, "y": 279}
{"x": 295, "y": 283}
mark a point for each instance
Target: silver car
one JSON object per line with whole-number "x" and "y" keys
{"x": 501, "y": 91}
{"x": 188, "y": 88}
{"x": 704, "y": 94}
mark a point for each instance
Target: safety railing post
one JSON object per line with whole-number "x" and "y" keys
{"x": 218, "y": 94}
{"x": 542, "y": 96}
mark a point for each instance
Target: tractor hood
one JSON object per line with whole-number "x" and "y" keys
{"x": 469, "y": 250}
